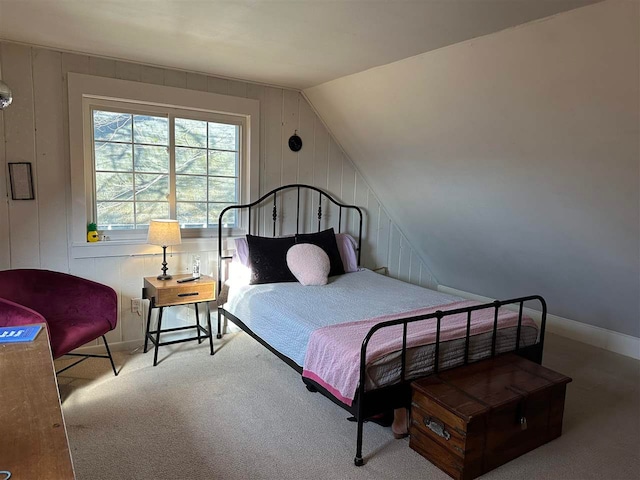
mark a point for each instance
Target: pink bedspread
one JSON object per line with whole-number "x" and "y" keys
{"x": 333, "y": 353}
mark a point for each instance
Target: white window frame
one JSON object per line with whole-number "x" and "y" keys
{"x": 86, "y": 91}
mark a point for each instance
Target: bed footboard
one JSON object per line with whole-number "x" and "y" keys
{"x": 369, "y": 403}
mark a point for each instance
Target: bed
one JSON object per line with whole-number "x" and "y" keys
{"x": 362, "y": 338}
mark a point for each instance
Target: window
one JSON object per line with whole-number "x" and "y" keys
{"x": 141, "y": 151}
{"x": 163, "y": 166}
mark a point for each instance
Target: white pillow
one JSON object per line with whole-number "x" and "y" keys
{"x": 241, "y": 255}
{"x": 309, "y": 264}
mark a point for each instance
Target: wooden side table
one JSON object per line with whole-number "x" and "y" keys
{"x": 169, "y": 293}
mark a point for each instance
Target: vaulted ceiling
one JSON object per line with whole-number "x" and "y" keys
{"x": 294, "y": 43}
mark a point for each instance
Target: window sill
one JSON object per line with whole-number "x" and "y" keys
{"x": 126, "y": 248}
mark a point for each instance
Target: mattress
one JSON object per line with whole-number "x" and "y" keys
{"x": 285, "y": 314}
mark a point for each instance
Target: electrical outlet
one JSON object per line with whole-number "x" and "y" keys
{"x": 136, "y": 305}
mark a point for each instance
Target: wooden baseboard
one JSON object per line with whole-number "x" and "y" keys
{"x": 582, "y": 332}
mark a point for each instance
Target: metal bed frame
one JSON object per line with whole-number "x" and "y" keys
{"x": 369, "y": 403}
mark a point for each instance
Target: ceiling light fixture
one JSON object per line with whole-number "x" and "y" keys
{"x": 6, "y": 97}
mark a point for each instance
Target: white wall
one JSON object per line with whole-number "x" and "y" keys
{"x": 34, "y": 234}
{"x": 511, "y": 161}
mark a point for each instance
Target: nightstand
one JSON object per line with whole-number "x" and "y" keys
{"x": 169, "y": 293}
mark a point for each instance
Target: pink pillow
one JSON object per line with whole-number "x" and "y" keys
{"x": 309, "y": 264}
{"x": 347, "y": 248}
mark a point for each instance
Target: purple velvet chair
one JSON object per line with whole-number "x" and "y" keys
{"x": 75, "y": 310}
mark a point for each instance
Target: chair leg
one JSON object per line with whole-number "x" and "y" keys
{"x": 85, "y": 356}
{"x": 58, "y": 372}
{"x": 113, "y": 365}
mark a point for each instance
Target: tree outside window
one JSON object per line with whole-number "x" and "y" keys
{"x": 142, "y": 173}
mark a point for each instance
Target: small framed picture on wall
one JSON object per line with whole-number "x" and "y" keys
{"x": 21, "y": 181}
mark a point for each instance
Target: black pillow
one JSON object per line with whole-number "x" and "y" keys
{"x": 326, "y": 240}
{"x": 268, "y": 259}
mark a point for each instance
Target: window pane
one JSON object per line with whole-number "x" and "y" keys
{"x": 114, "y": 186}
{"x": 229, "y": 219}
{"x": 151, "y": 159}
{"x": 191, "y": 160}
{"x": 114, "y": 127}
{"x": 222, "y": 189}
{"x": 145, "y": 211}
{"x": 191, "y": 133}
{"x": 113, "y": 156}
{"x": 223, "y": 163}
{"x": 147, "y": 129}
{"x": 192, "y": 189}
{"x": 115, "y": 215}
{"x": 192, "y": 215}
{"x": 223, "y": 136}
{"x": 152, "y": 187}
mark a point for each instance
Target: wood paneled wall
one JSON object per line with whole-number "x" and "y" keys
{"x": 34, "y": 234}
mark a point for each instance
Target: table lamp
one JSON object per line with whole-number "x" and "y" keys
{"x": 164, "y": 233}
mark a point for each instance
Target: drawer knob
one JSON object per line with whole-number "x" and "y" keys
{"x": 188, "y": 294}
{"x": 436, "y": 427}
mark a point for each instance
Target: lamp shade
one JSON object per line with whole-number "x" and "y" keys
{"x": 164, "y": 233}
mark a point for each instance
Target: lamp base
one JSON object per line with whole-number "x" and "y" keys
{"x": 164, "y": 275}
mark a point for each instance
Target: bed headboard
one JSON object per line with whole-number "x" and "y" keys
{"x": 309, "y": 193}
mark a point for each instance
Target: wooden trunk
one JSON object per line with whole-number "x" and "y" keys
{"x": 472, "y": 419}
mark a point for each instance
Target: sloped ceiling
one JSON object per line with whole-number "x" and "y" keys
{"x": 511, "y": 161}
{"x": 294, "y": 43}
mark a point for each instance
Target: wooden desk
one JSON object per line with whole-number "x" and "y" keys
{"x": 168, "y": 293}
{"x": 33, "y": 437}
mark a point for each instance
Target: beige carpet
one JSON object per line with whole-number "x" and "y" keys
{"x": 244, "y": 414}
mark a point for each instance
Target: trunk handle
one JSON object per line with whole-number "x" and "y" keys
{"x": 436, "y": 427}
